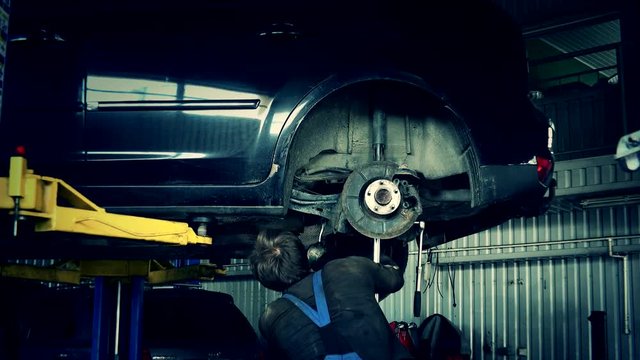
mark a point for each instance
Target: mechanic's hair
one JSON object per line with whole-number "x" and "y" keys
{"x": 278, "y": 260}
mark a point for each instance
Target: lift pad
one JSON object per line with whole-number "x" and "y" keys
{"x": 40, "y": 198}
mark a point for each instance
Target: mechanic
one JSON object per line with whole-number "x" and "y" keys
{"x": 356, "y": 324}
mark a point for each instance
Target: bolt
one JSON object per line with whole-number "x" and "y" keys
{"x": 381, "y": 182}
{"x": 202, "y": 229}
{"x": 375, "y": 208}
{"x": 368, "y": 193}
{"x": 392, "y": 207}
{"x": 395, "y": 191}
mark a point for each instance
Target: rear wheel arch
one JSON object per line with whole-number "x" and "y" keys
{"x": 423, "y": 132}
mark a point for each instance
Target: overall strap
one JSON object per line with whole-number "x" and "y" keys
{"x": 321, "y": 300}
{"x": 320, "y": 316}
{"x": 331, "y": 339}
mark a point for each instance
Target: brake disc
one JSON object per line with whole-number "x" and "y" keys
{"x": 379, "y": 204}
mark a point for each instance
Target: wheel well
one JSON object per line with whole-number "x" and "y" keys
{"x": 423, "y": 134}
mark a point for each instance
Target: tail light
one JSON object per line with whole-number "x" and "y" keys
{"x": 21, "y": 150}
{"x": 544, "y": 168}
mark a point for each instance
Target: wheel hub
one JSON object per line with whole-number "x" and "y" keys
{"x": 376, "y": 204}
{"x": 382, "y": 197}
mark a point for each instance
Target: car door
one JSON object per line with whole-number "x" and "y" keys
{"x": 175, "y": 98}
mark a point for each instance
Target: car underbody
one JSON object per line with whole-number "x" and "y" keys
{"x": 373, "y": 160}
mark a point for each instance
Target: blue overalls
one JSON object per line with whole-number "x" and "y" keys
{"x": 320, "y": 316}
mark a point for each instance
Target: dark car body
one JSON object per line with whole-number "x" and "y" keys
{"x": 249, "y": 114}
{"x": 177, "y": 323}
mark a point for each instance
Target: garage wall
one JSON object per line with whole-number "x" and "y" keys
{"x": 535, "y": 301}
{"x": 593, "y": 112}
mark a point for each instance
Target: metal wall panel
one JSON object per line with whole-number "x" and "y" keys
{"x": 588, "y": 120}
{"x": 539, "y": 308}
{"x": 591, "y": 175}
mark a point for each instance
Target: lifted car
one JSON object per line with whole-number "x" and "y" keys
{"x": 358, "y": 117}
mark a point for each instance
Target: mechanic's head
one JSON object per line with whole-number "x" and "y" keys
{"x": 278, "y": 260}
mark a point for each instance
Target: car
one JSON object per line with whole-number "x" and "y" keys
{"x": 191, "y": 323}
{"x": 358, "y": 117}
{"x": 178, "y": 323}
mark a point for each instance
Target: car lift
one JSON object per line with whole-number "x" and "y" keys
{"x": 37, "y": 199}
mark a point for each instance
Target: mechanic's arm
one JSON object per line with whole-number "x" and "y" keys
{"x": 387, "y": 276}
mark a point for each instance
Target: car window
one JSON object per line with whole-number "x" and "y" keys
{"x": 105, "y": 88}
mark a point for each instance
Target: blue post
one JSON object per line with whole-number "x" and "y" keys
{"x": 135, "y": 334}
{"x": 97, "y": 341}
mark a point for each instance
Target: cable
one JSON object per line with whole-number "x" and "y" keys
{"x": 438, "y": 280}
{"x": 433, "y": 275}
{"x": 453, "y": 288}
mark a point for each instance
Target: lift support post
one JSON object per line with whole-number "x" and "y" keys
{"x": 110, "y": 276}
{"x": 52, "y": 205}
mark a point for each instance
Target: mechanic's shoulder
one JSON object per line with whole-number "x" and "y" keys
{"x": 274, "y": 310}
{"x": 359, "y": 260}
{"x": 349, "y": 262}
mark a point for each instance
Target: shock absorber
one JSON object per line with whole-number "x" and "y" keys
{"x": 379, "y": 134}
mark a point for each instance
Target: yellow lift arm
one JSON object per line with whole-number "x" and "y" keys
{"x": 25, "y": 194}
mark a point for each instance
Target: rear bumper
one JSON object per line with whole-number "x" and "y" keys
{"x": 507, "y": 183}
{"x": 504, "y": 192}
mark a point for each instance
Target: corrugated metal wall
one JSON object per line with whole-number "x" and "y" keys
{"x": 538, "y": 305}
{"x": 593, "y": 112}
{"x": 520, "y": 292}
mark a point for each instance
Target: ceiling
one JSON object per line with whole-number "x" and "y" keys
{"x": 585, "y": 54}
{"x": 554, "y": 30}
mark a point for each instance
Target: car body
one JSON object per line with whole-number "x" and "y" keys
{"x": 354, "y": 117}
{"x": 177, "y": 323}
